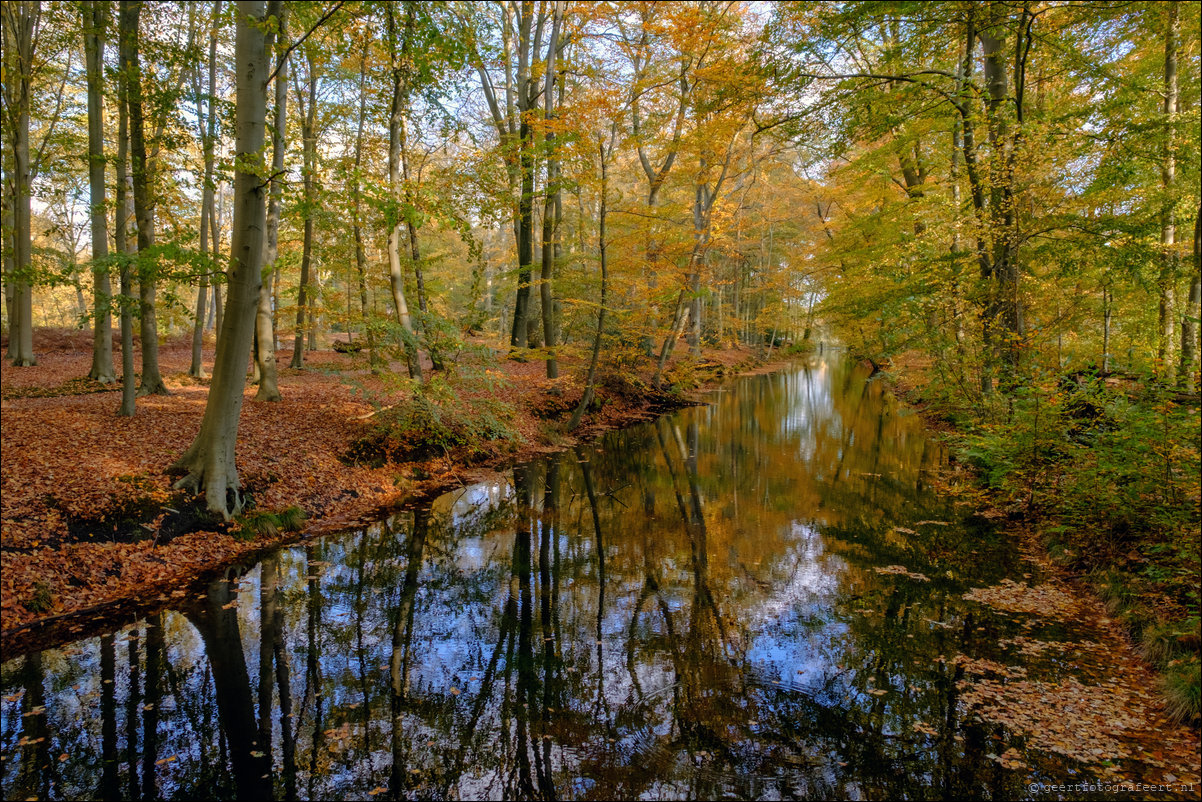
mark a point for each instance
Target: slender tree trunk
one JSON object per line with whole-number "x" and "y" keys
{"x": 700, "y": 224}
{"x": 152, "y": 381}
{"x": 1105, "y": 328}
{"x": 269, "y": 389}
{"x": 209, "y": 464}
{"x": 121, "y": 241}
{"x": 207, "y": 128}
{"x": 590, "y": 382}
{"x": 1168, "y": 226}
{"x": 7, "y": 238}
{"x": 357, "y": 219}
{"x": 550, "y": 234}
{"x": 20, "y": 19}
{"x": 95, "y": 19}
{"x": 415, "y": 254}
{"x": 521, "y": 307}
{"x": 395, "y": 277}
{"x": 221, "y": 278}
{"x": 197, "y": 368}
{"x": 1188, "y": 369}
{"x": 309, "y": 152}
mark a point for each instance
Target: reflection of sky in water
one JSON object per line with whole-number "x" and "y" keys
{"x": 742, "y": 630}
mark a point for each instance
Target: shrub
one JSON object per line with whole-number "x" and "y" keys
{"x": 436, "y": 420}
{"x": 264, "y": 523}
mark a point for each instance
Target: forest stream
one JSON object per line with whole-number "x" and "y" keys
{"x": 760, "y": 598}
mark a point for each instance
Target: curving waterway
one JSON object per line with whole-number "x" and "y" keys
{"x": 759, "y": 598}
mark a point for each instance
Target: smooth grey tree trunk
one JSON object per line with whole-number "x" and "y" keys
{"x": 396, "y": 279}
{"x": 209, "y": 464}
{"x": 152, "y": 380}
{"x": 207, "y": 128}
{"x": 1168, "y": 178}
{"x": 269, "y": 388}
{"x": 546, "y": 297}
{"x": 20, "y": 20}
{"x": 94, "y": 22}
{"x": 357, "y": 219}
{"x": 309, "y": 151}
{"x": 121, "y": 240}
{"x": 1193, "y": 311}
{"x": 591, "y": 380}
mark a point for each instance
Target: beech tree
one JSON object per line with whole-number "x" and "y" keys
{"x": 209, "y": 465}
{"x": 95, "y": 20}
{"x": 21, "y": 21}
{"x": 265, "y": 371}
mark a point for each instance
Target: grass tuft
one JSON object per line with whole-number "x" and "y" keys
{"x": 1183, "y": 691}
{"x": 41, "y": 599}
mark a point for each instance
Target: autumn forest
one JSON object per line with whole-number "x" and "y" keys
{"x": 558, "y": 398}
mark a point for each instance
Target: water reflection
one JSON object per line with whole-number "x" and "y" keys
{"x": 689, "y": 608}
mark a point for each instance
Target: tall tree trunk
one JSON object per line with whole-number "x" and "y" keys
{"x": 700, "y": 235}
{"x": 550, "y": 234}
{"x": 357, "y": 219}
{"x": 197, "y": 369}
{"x": 121, "y": 241}
{"x": 152, "y": 381}
{"x": 415, "y": 252}
{"x": 207, "y": 128}
{"x": 1168, "y": 226}
{"x": 519, "y": 338}
{"x": 589, "y": 383}
{"x": 309, "y": 156}
{"x": 8, "y": 229}
{"x": 95, "y": 19}
{"x": 396, "y": 279}
{"x": 1192, "y": 312}
{"x": 209, "y": 464}
{"x": 20, "y": 19}
{"x": 269, "y": 389}
{"x": 411, "y": 226}
{"x": 221, "y": 277}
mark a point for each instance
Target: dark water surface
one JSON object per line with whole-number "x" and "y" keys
{"x": 756, "y": 599}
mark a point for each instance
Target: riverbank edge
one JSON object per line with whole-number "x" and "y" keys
{"x": 1033, "y": 537}
{"x": 186, "y": 579}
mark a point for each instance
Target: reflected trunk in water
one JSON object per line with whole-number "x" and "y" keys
{"x": 402, "y": 653}
{"x": 217, "y": 622}
{"x": 108, "y": 719}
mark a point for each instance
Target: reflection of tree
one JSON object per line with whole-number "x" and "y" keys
{"x": 313, "y": 696}
{"x": 132, "y": 703}
{"x": 108, "y": 719}
{"x": 523, "y": 484}
{"x": 548, "y": 588}
{"x": 274, "y": 663}
{"x": 217, "y": 622}
{"x": 150, "y": 711}
{"x": 401, "y": 663}
{"x": 35, "y": 778}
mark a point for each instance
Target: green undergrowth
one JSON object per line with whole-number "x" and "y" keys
{"x": 41, "y": 600}
{"x": 1108, "y": 471}
{"x": 267, "y": 523}
{"x": 465, "y": 414}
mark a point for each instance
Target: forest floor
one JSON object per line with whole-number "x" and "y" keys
{"x": 90, "y": 521}
{"x": 1110, "y": 708}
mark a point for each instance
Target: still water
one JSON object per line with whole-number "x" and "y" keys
{"x": 759, "y": 598}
